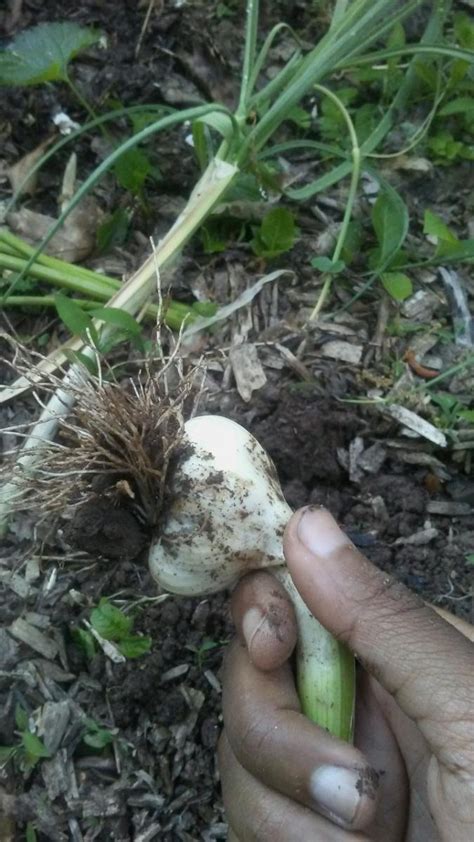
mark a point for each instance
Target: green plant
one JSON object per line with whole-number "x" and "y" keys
{"x": 95, "y": 735}
{"x": 112, "y": 624}
{"x": 29, "y": 750}
{"x": 452, "y": 411}
{"x": 207, "y": 645}
{"x": 452, "y": 133}
{"x": 30, "y": 832}
{"x": 43, "y": 54}
{"x": 276, "y": 234}
{"x": 16, "y": 258}
{"x": 354, "y": 27}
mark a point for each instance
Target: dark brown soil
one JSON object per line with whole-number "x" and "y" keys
{"x": 305, "y": 434}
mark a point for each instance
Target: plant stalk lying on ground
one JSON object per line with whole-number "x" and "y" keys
{"x": 15, "y": 254}
{"x": 355, "y": 27}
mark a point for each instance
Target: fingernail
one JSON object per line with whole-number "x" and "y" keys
{"x": 319, "y": 532}
{"x": 336, "y": 792}
{"x": 252, "y": 622}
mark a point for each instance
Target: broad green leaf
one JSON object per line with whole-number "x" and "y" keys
{"x": 454, "y": 252}
{"x": 244, "y": 188}
{"x": 325, "y": 264}
{"x": 445, "y": 401}
{"x": 132, "y": 169}
{"x": 435, "y": 227}
{"x": 207, "y": 645}
{"x": 470, "y": 558}
{"x": 447, "y": 149}
{"x": 366, "y": 119}
{"x": 110, "y": 622}
{"x": 118, "y": 318}
{"x": 460, "y": 105}
{"x": 352, "y": 241}
{"x": 98, "y": 739}
{"x": 134, "y": 646}
{"x": 276, "y": 233}
{"x": 74, "y": 317}
{"x": 33, "y": 746}
{"x": 141, "y": 119}
{"x": 212, "y": 242}
{"x": 21, "y": 717}
{"x": 390, "y": 220}
{"x": 396, "y": 37}
{"x": 397, "y": 284}
{"x": 42, "y": 54}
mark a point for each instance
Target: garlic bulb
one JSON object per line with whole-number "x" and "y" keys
{"x": 225, "y": 516}
{"x": 226, "y": 513}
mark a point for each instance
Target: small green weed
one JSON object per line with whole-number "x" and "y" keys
{"x": 95, "y": 735}
{"x": 112, "y": 624}
{"x": 276, "y": 234}
{"x": 207, "y": 645}
{"x": 29, "y": 750}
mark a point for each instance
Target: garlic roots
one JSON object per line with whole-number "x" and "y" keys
{"x": 225, "y": 516}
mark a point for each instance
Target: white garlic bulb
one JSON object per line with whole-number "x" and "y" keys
{"x": 226, "y": 512}
{"x": 224, "y": 516}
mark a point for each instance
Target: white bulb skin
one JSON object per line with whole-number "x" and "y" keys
{"x": 225, "y": 514}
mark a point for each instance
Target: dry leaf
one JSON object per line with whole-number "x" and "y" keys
{"x": 248, "y": 372}
{"x": 245, "y": 298}
{"x": 73, "y": 242}
{"x": 415, "y": 423}
{"x": 18, "y": 171}
{"x": 338, "y": 350}
{"x": 410, "y": 163}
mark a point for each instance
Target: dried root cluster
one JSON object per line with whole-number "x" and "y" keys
{"x": 105, "y": 475}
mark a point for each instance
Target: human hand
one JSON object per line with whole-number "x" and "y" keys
{"x": 410, "y": 774}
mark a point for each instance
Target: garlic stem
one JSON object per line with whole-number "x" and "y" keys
{"x": 325, "y": 669}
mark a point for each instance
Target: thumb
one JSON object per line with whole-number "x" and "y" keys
{"x": 421, "y": 660}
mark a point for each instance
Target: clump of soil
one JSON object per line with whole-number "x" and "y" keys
{"x": 386, "y": 513}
